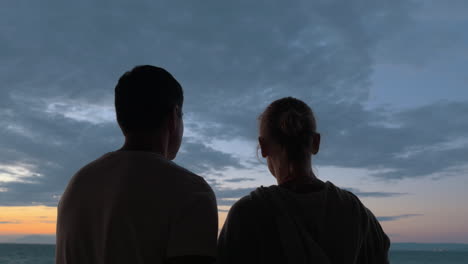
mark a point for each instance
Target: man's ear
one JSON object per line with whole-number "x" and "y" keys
{"x": 172, "y": 119}
{"x": 315, "y": 143}
{"x": 263, "y": 147}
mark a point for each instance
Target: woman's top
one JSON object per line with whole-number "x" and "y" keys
{"x": 276, "y": 225}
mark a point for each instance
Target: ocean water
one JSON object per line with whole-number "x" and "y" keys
{"x": 27, "y": 254}
{"x": 428, "y": 257}
{"x": 44, "y": 254}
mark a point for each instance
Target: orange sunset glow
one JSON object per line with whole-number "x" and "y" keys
{"x": 27, "y": 220}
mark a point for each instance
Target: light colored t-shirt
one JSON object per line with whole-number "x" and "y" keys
{"x": 135, "y": 207}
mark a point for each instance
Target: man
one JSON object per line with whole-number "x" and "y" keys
{"x": 135, "y": 205}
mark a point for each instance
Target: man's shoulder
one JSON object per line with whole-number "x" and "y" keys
{"x": 104, "y": 160}
{"x": 149, "y": 167}
{"x": 88, "y": 169}
{"x": 187, "y": 178}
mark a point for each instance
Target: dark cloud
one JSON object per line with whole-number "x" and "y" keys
{"x": 434, "y": 33}
{"x": 243, "y": 179}
{"x": 396, "y": 217}
{"x": 203, "y": 159}
{"x": 381, "y": 140}
{"x": 233, "y": 58}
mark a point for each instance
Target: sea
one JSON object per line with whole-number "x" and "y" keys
{"x": 406, "y": 253}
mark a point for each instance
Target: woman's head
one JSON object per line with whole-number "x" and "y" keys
{"x": 288, "y": 132}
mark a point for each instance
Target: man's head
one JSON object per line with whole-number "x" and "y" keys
{"x": 148, "y": 100}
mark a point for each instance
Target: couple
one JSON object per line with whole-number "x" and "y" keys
{"x": 135, "y": 205}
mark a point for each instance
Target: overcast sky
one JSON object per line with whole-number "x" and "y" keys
{"x": 387, "y": 81}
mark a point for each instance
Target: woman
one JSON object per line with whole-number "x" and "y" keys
{"x": 302, "y": 219}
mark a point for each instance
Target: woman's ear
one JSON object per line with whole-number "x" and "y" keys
{"x": 315, "y": 143}
{"x": 263, "y": 146}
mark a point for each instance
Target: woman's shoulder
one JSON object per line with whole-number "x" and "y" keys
{"x": 350, "y": 200}
{"x": 244, "y": 213}
{"x": 251, "y": 203}
{"x": 342, "y": 194}
{"x": 244, "y": 203}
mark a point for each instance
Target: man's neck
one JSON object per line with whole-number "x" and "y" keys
{"x": 143, "y": 142}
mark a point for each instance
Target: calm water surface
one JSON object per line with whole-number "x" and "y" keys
{"x": 44, "y": 254}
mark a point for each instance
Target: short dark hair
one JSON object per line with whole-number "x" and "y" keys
{"x": 144, "y": 96}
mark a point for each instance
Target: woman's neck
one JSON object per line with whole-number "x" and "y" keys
{"x": 300, "y": 179}
{"x": 297, "y": 172}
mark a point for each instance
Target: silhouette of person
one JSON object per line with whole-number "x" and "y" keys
{"x": 302, "y": 219}
{"x": 135, "y": 205}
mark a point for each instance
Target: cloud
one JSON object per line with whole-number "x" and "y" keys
{"x": 433, "y": 33}
{"x": 205, "y": 160}
{"x": 374, "y": 194}
{"x": 232, "y": 193}
{"x": 242, "y": 179}
{"x": 396, "y": 217}
{"x": 48, "y": 222}
{"x": 232, "y": 59}
{"x": 10, "y": 222}
{"x": 17, "y": 173}
{"x": 453, "y": 144}
{"x": 380, "y": 146}
{"x": 82, "y": 111}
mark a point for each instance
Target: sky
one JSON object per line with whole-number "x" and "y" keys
{"x": 386, "y": 79}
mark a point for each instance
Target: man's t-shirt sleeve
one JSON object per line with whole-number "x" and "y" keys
{"x": 193, "y": 231}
